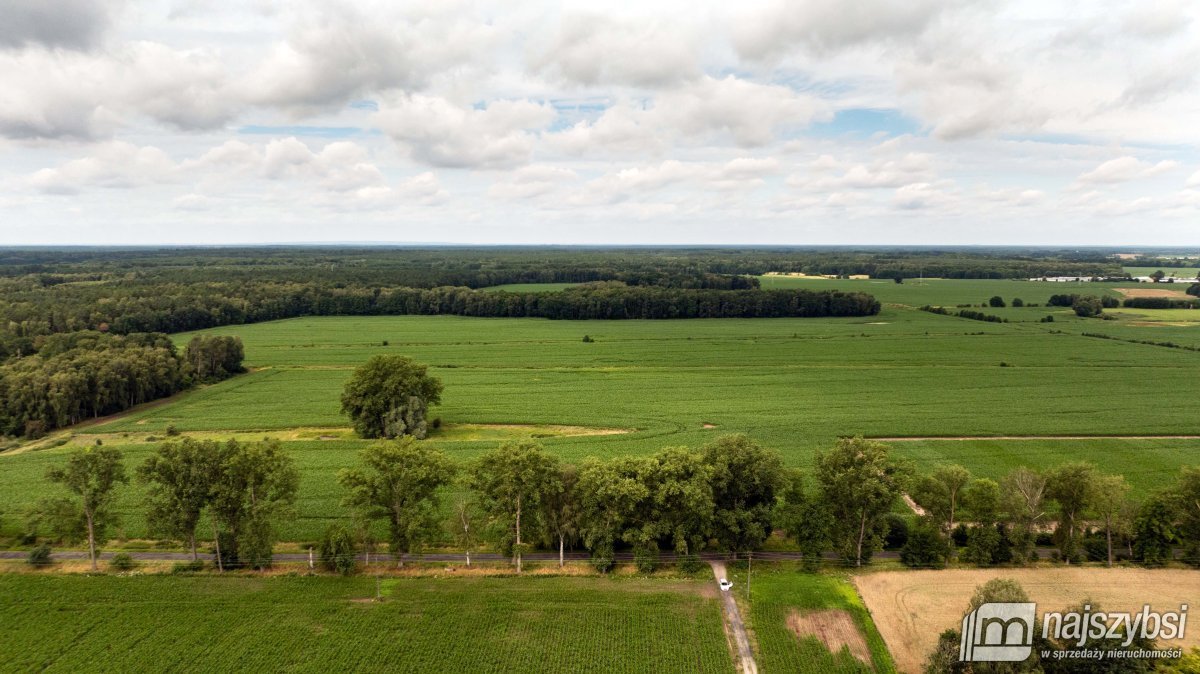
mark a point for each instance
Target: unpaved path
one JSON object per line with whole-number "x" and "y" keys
{"x": 733, "y": 622}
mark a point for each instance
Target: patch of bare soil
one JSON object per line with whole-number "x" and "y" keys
{"x": 911, "y": 608}
{"x": 556, "y": 429}
{"x": 1153, "y": 292}
{"x": 834, "y": 628}
{"x": 708, "y": 426}
{"x": 912, "y": 505}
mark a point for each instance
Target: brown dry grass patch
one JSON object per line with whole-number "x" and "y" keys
{"x": 911, "y": 608}
{"x": 832, "y": 627}
{"x": 1153, "y": 292}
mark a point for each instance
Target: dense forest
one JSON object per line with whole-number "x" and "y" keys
{"x": 48, "y": 291}
{"x": 87, "y": 374}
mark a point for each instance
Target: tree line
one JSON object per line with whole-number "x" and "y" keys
{"x": 88, "y": 374}
{"x": 1083, "y": 513}
{"x": 180, "y": 308}
{"x": 730, "y": 496}
{"x": 51, "y": 291}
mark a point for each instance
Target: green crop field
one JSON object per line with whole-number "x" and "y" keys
{"x": 777, "y": 594}
{"x": 206, "y": 623}
{"x": 792, "y": 384}
{"x": 918, "y": 292}
{"x": 1185, "y": 273}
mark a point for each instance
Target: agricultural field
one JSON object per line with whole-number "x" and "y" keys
{"x": 321, "y": 624}
{"x": 792, "y": 384}
{"x": 803, "y": 622}
{"x": 1185, "y": 273}
{"x": 911, "y": 608}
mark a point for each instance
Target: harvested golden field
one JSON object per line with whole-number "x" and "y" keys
{"x": 911, "y": 608}
{"x": 1153, "y": 292}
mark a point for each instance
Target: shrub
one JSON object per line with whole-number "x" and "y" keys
{"x": 587, "y": 339}
{"x": 926, "y": 547}
{"x": 1047, "y": 319}
{"x": 337, "y": 550}
{"x": 172, "y": 431}
{"x": 645, "y": 557}
{"x": 122, "y": 561}
{"x": 1018, "y": 302}
{"x": 1087, "y": 307}
{"x": 996, "y": 302}
{"x": 39, "y": 556}
{"x": 194, "y": 566}
{"x": 603, "y": 558}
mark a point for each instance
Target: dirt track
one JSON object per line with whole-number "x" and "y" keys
{"x": 911, "y": 608}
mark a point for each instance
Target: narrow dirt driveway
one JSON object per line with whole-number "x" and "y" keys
{"x": 733, "y": 623}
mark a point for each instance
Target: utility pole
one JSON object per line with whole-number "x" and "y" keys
{"x": 749, "y": 562}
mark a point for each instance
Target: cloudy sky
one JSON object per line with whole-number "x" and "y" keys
{"x": 755, "y": 122}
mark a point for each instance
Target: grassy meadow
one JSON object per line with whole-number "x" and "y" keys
{"x": 321, "y": 624}
{"x": 792, "y": 384}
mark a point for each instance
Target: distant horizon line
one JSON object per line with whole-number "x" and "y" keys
{"x": 400, "y": 244}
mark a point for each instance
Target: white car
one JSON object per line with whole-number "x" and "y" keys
{"x": 725, "y": 585}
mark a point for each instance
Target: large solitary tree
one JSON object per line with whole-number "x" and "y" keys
{"x": 92, "y": 474}
{"x": 389, "y": 396}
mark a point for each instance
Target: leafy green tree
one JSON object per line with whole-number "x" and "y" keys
{"x": 1073, "y": 486}
{"x": 1185, "y": 497}
{"x": 1022, "y": 495}
{"x": 389, "y": 396}
{"x": 513, "y": 481}
{"x": 92, "y": 474}
{"x": 560, "y": 512}
{"x": 996, "y": 302}
{"x": 214, "y": 357}
{"x": 462, "y": 525}
{"x": 256, "y": 484}
{"x": 400, "y": 485}
{"x": 609, "y": 494}
{"x": 337, "y": 550}
{"x": 1111, "y": 504}
{"x": 804, "y": 518}
{"x": 860, "y": 482}
{"x": 745, "y": 479}
{"x": 1087, "y": 306}
{"x": 1158, "y": 276}
{"x": 180, "y": 478}
{"x": 680, "y": 507}
{"x": 1154, "y": 532}
{"x": 927, "y": 547}
{"x": 982, "y": 498}
{"x": 940, "y": 494}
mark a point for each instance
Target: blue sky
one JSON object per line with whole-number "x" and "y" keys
{"x": 761, "y": 122}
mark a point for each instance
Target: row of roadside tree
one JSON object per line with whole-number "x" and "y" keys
{"x": 729, "y": 496}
